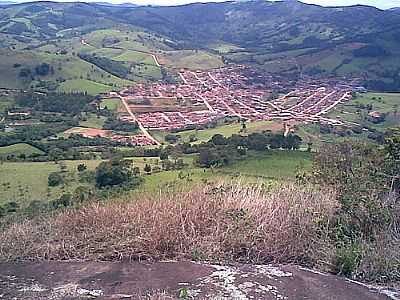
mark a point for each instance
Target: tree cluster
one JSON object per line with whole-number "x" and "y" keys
{"x": 112, "y": 123}
{"x": 54, "y": 102}
{"x": 221, "y": 150}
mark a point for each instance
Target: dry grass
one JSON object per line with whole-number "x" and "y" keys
{"x": 160, "y": 295}
{"x": 209, "y": 223}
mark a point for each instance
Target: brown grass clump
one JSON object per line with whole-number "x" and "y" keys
{"x": 209, "y": 223}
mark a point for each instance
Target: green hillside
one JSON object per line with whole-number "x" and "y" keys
{"x": 287, "y": 37}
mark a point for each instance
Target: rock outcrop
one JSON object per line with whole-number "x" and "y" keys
{"x": 180, "y": 280}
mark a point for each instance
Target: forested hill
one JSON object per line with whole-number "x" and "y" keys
{"x": 301, "y": 37}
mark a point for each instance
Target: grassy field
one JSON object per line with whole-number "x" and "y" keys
{"x": 24, "y": 182}
{"x": 93, "y": 121}
{"x": 271, "y": 164}
{"x": 197, "y": 60}
{"x": 382, "y": 102}
{"x": 257, "y": 168}
{"x": 224, "y": 47}
{"x": 111, "y": 104}
{"x": 18, "y": 149}
{"x": 226, "y": 130}
{"x": 5, "y": 103}
{"x": 83, "y": 85}
{"x": 135, "y": 56}
{"x": 78, "y": 74}
{"x": 388, "y": 103}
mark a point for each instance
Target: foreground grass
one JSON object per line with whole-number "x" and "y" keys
{"x": 217, "y": 222}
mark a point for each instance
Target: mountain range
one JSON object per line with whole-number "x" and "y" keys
{"x": 287, "y": 37}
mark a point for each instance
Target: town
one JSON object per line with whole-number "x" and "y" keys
{"x": 234, "y": 91}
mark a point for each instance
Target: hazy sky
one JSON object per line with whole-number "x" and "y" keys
{"x": 384, "y": 4}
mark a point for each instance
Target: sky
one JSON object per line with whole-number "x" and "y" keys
{"x": 383, "y": 4}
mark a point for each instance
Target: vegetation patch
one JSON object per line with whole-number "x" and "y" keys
{"x": 83, "y": 85}
{"x": 192, "y": 59}
{"x": 277, "y": 164}
{"x": 111, "y": 104}
{"x": 19, "y": 150}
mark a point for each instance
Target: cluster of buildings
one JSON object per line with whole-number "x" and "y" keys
{"x": 202, "y": 97}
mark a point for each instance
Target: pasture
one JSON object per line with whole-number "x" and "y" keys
{"x": 228, "y": 130}
{"x": 83, "y": 85}
{"x": 24, "y": 182}
{"x": 92, "y": 121}
{"x": 111, "y": 104}
{"x": 277, "y": 165}
{"x": 192, "y": 59}
{"x": 19, "y": 149}
{"x": 356, "y": 110}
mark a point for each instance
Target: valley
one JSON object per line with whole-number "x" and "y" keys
{"x": 249, "y": 132}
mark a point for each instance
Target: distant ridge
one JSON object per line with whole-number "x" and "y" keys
{"x": 7, "y": 2}
{"x": 127, "y": 4}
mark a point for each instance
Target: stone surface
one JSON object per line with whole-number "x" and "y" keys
{"x": 106, "y": 280}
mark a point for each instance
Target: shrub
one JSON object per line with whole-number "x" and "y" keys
{"x": 81, "y": 168}
{"x": 11, "y": 207}
{"x": 54, "y": 179}
{"x": 347, "y": 259}
{"x": 115, "y": 173}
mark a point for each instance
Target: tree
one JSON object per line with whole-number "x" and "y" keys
{"x": 206, "y": 158}
{"x": 363, "y": 175}
{"x": 163, "y": 155}
{"x": 136, "y": 171}
{"x": 81, "y": 194}
{"x": 11, "y": 207}
{"x": 113, "y": 173}
{"x": 63, "y": 201}
{"x": 81, "y": 168}
{"x": 219, "y": 139}
{"x": 54, "y": 179}
{"x": 42, "y": 69}
{"x": 170, "y": 138}
{"x": 147, "y": 168}
{"x": 192, "y": 138}
{"x": 309, "y": 146}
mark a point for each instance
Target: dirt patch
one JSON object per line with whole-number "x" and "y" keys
{"x": 88, "y": 132}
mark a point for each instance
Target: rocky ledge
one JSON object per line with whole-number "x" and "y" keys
{"x": 179, "y": 280}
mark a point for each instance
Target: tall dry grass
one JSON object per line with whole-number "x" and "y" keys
{"x": 224, "y": 222}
